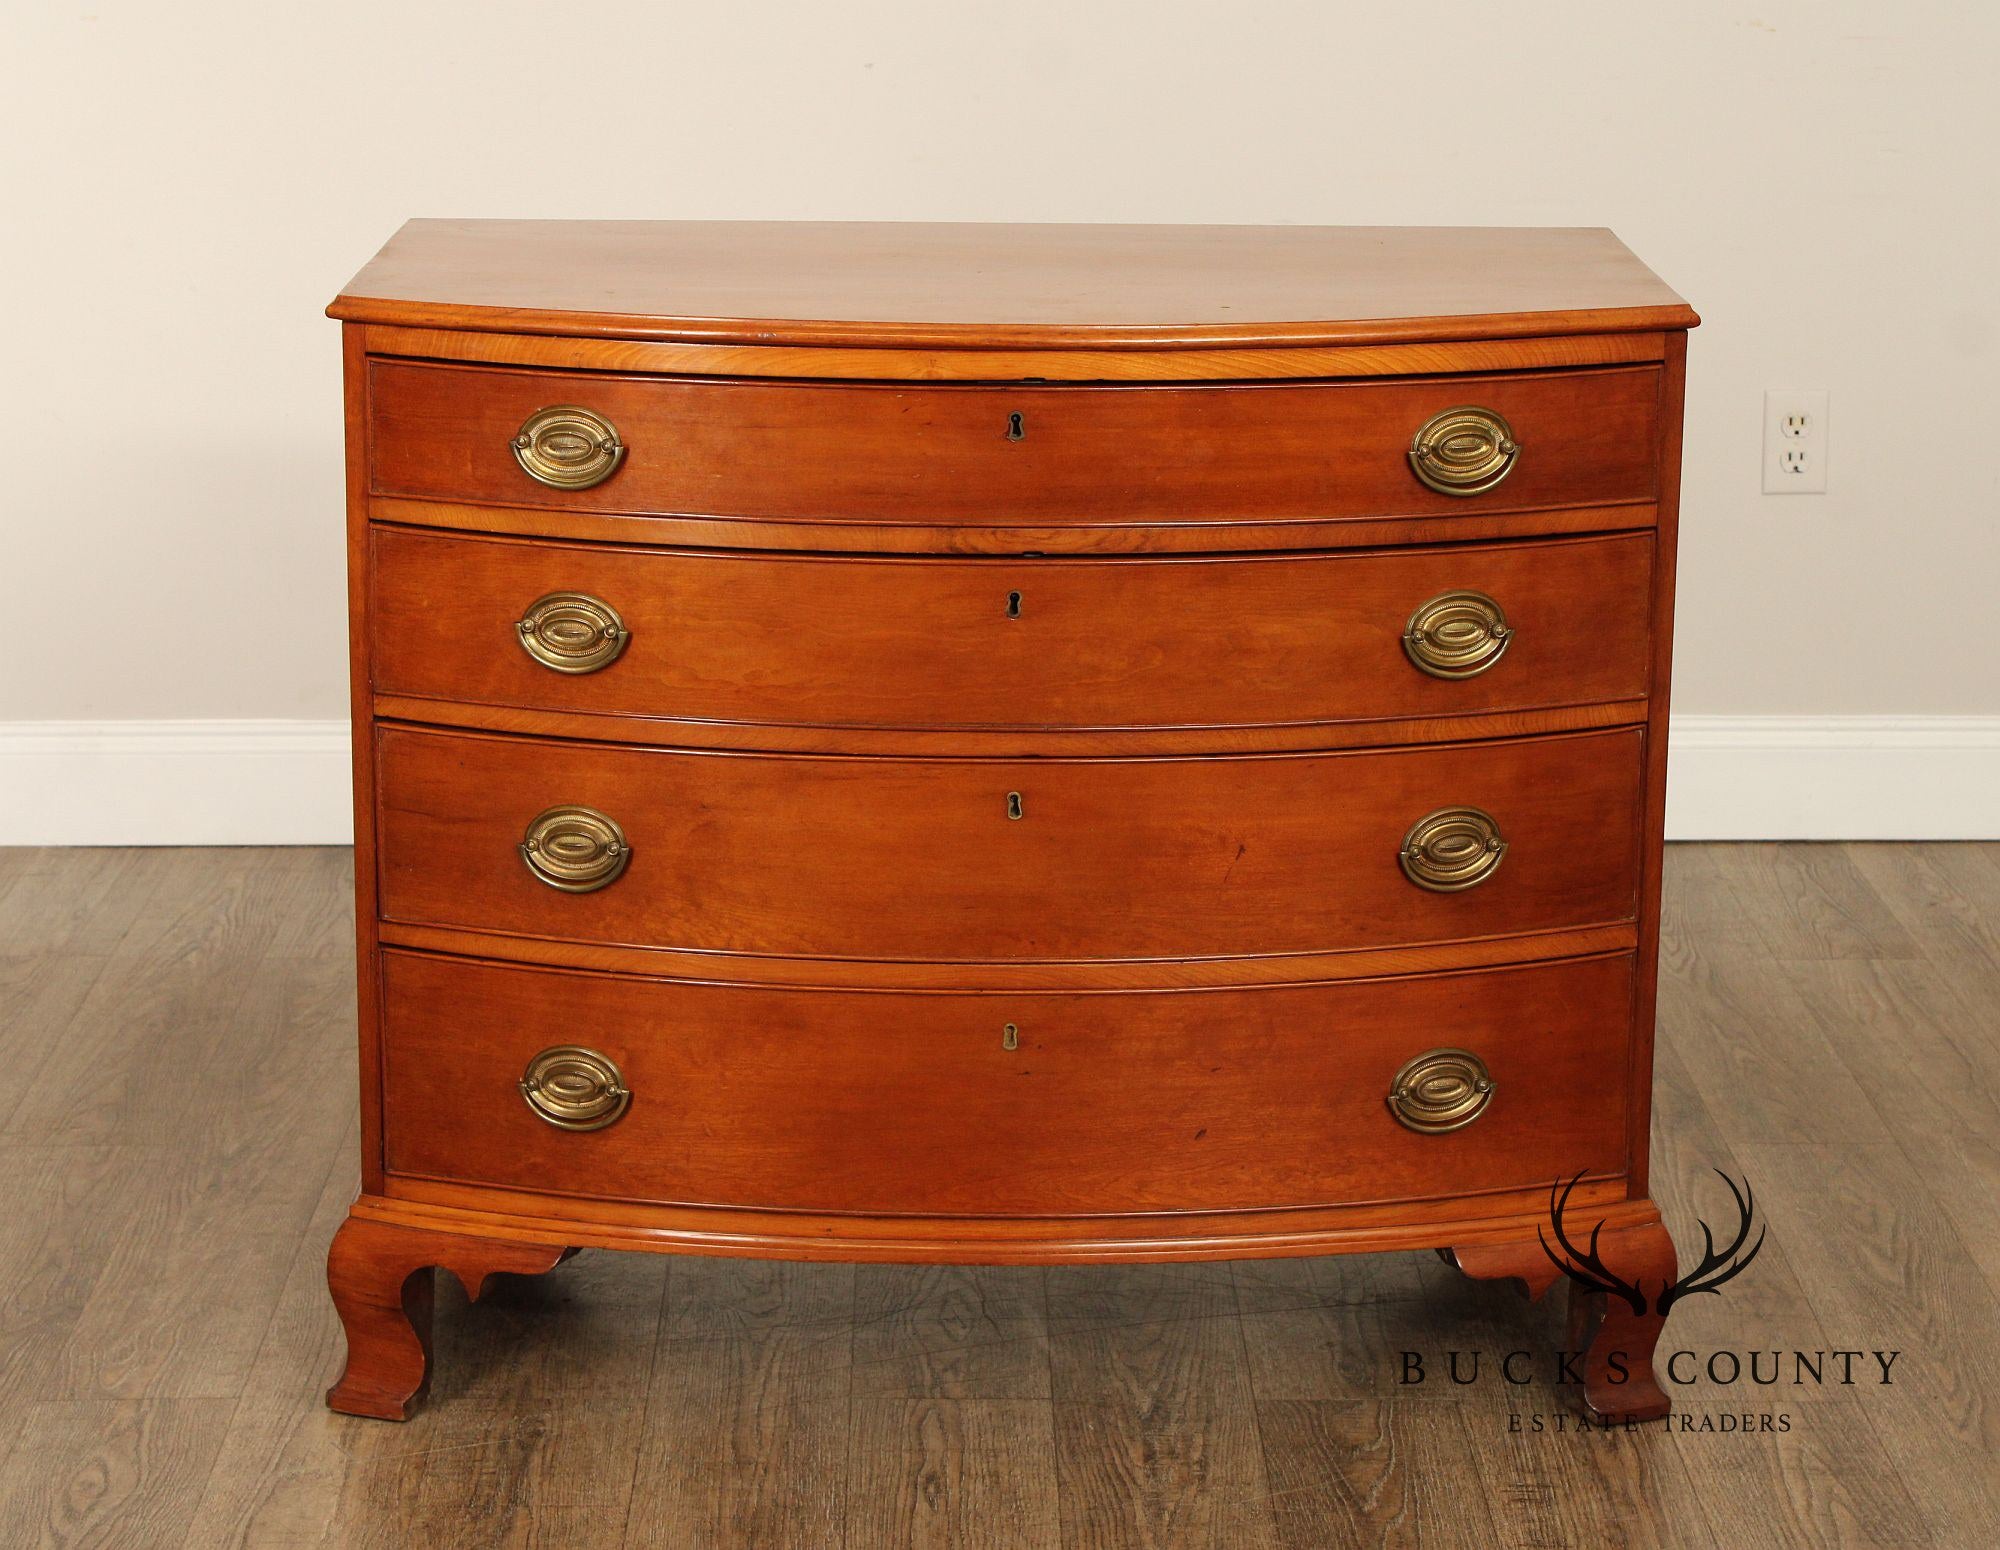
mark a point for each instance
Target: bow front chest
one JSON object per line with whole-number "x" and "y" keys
{"x": 1006, "y": 744}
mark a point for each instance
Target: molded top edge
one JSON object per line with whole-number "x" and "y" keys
{"x": 976, "y": 286}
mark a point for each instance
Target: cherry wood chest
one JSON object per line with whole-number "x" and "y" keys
{"x": 1006, "y": 744}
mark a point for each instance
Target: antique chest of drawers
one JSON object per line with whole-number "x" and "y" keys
{"x": 1006, "y": 744}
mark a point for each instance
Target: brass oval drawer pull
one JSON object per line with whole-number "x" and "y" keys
{"x": 1441, "y": 1090}
{"x": 1463, "y": 451}
{"x": 576, "y": 849}
{"x": 574, "y": 1088}
{"x": 1457, "y": 635}
{"x": 568, "y": 448}
{"x": 572, "y": 632}
{"x": 1452, "y": 848}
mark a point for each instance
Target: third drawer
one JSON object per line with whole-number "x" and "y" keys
{"x": 1008, "y": 860}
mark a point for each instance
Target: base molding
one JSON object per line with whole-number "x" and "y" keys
{"x": 175, "y": 783}
{"x": 1834, "y": 778}
{"x": 492, "y": 1213}
{"x": 267, "y": 782}
{"x": 382, "y": 1259}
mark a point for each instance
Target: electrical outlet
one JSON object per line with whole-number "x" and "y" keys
{"x": 1794, "y": 442}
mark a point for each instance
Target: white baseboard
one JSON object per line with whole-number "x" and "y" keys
{"x": 1834, "y": 778}
{"x": 175, "y": 783}
{"x": 286, "y": 782}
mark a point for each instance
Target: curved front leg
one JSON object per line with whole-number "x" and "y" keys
{"x": 1608, "y": 1353}
{"x": 380, "y": 1275}
{"x": 1616, "y": 1342}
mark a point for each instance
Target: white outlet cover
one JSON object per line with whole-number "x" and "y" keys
{"x": 1795, "y": 441}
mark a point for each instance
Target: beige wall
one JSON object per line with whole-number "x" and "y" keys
{"x": 188, "y": 184}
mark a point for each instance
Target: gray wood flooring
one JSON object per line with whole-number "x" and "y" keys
{"x": 177, "y": 1143}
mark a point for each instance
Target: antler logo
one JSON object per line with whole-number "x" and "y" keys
{"x": 1584, "y": 1267}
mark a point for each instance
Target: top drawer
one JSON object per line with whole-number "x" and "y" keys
{"x": 1011, "y": 454}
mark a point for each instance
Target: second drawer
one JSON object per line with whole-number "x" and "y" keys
{"x": 998, "y": 860}
{"x": 944, "y": 643}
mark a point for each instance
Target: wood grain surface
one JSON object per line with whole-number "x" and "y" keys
{"x": 919, "y": 859}
{"x": 967, "y": 285}
{"x": 1041, "y": 647}
{"x": 884, "y": 1104}
{"x": 1010, "y": 741}
{"x": 859, "y": 453}
{"x": 634, "y": 1399}
{"x": 1080, "y": 533}
{"x": 861, "y": 363}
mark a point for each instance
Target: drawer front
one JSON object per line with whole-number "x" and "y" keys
{"x": 823, "y": 1101}
{"x": 1006, "y": 859}
{"x": 999, "y": 455}
{"x": 997, "y": 643}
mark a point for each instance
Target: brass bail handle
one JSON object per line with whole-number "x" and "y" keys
{"x": 574, "y": 1088}
{"x": 1441, "y": 1090}
{"x": 1463, "y": 451}
{"x": 1457, "y": 635}
{"x": 572, "y": 632}
{"x": 568, "y": 447}
{"x": 1452, "y": 849}
{"x": 575, "y": 849}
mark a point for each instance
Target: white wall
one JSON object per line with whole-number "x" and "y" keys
{"x": 188, "y": 185}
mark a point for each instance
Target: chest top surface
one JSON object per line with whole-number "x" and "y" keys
{"x": 973, "y": 285}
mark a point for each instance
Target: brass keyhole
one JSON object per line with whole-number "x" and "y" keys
{"x": 1013, "y": 804}
{"x": 1010, "y": 1037}
{"x": 1016, "y": 427}
{"x": 1013, "y": 605}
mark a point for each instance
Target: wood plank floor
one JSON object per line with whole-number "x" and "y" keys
{"x": 177, "y": 1143}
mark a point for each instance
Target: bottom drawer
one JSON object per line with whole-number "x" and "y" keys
{"x": 913, "y": 1103}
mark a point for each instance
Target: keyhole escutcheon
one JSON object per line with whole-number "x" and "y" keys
{"x": 1013, "y": 804}
{"x": 1010, "y": 1037}
{"x": 1017, "y": 426}
{"x": 1013, "y": 605}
